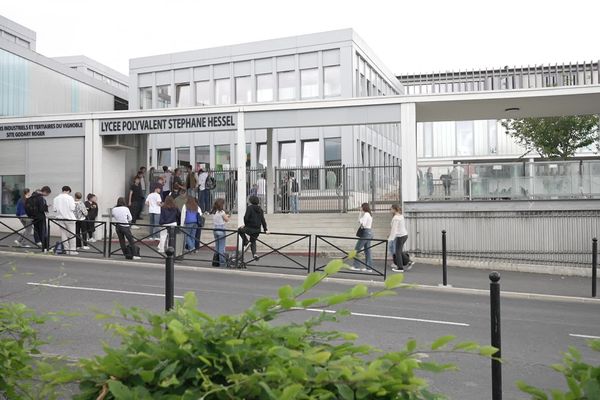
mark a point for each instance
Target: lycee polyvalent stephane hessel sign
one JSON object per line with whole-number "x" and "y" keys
{"x": 40, "y": 130}
{"x": 174, "y": 124}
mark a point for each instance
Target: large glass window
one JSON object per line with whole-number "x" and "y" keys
{"x": 464, "y": 138}
{"x": 164, "y": 96}
{"x": 261, "y": 150}
{"x": 264, "y": 87}
{"x": 332, "y": 85}
{"x": 287, "y": 154}
{"x": 333, "y": 151}
{"x": 12, "y": 190}
{"x": 222, "y": 157}
{"x": 309, "y": 83}
{"x": 202, "y": 157}
{"x": 146, "y": 98}
{"x": 222, "y": 91}
{"x": 183, "y": 157}
{"x": 243, "y": 90}
{"x": 182, "y": 95}
{"x": 287, "y": 85}
{"x": 164, "y": 157}
{"x": 203, "y": 93}
{"x": 310, "y": 153}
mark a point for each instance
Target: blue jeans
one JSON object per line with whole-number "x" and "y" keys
{"x": 154, "y": 219}
{"x": 205, "y": 200}
{"x": 190, "y": 235}
{"x": 220, "y": 234}
{"x": 294, "y": 204}
{"x": 364, "y": 243}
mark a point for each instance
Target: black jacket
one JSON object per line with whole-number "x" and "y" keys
{"x": 169, "y": 215}
{"x": 39, "y": 204}
{"x": 255, "y": 218}
{"x": 92, "y": 208}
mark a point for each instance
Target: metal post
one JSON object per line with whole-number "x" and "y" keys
{"x": 104, "y": 240}
{"x": 496, "y": 339}
{"x": 170, "y": 279}
{"x": 171, "y": 231}
{"x": 444, "y": 260}
{"x": 594, "y": 265}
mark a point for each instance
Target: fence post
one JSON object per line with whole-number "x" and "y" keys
{"x": 170, "y": 279}
{"x": 496, "y": 337}
{"x": 444, "y": 260}
{"x": 172, "y": 242}
{"x": 104, "y": 239}
{"x": 345, "y": 187}
{"x": 594, "y": 265}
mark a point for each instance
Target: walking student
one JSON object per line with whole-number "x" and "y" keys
{"x": 169, "y": 216}
{"x": 64, "y": 207}
{"x": 154, "y": 201}
{"x": 254, "y": 219}
{"x": 80, "y": 215}
{"x": 191, "y": 182}
{"x": 90, "y": 220}
{"x": 190, "y": 218}
{"x": 167, "y": 179}
{"x": 122, "y": 217}
{"x": 220, "y": 218}
{"x": 397, "y": 239}
{"x": 27, "y": 236}
{"x": 36, "y": 208}
{"x": 365, "y": 234}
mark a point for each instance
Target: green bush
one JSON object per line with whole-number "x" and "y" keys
{"x": 187, "y": 354}
{"x": 583, "y": 380}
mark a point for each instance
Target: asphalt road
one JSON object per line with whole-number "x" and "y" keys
{"x": 534, "y": 331}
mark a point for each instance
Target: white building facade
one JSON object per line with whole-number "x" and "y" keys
{"x": 328, "y": 65}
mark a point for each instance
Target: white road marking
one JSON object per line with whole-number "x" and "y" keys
{"x": 584, "y": 336}
{"x": 430, "y": 321}
{"x": 99, "y": 290}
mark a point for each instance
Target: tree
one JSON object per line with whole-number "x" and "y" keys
{"x": 555, "y": 137}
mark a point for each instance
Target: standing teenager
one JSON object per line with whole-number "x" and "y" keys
{"x": 220, "y": 218}
{"x": 136, "y": 196}
{"x": 90, "y": 220}
{"x": 27, "y": 236}
{"x": 169, "y": 216}
{"x": 154, "y": 201}
{"x": 81, "y": 213}
{"x": 254, "y": 219}
{"x": 366, "y": 234}
{"x": 64, "y": 207}
{"x": 122, "y": 217}
{"x": 190, "y": 218}
{"x": 397, "y": 239}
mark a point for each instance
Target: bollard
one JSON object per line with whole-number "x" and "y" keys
{"x": 170, "y": 279}
{"x": 496, "y": 339}
{"x": 444, "y": 260}
{"x": 594, "y": 265}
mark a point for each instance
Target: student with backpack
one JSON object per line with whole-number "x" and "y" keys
{"x": 398, "y": 237}
{"x": 27, "y": 236}
{"x": 89, "y": 224}
{"x": 169, "y": 216}
{"x": 254, "y": 219}
{"x": 122, "y": 217}
{"x": 36, "y": 208}
{"x": 191, "y": 215}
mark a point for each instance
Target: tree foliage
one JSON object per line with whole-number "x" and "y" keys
{"x": 555, "y": 137}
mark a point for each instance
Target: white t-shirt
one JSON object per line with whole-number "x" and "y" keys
{"x": 218, "y": 218}
{"x": 64, "y": 206}
{"x": 398, "y": 227}
{"x": 202, "y": 180}
{"x": 262, "y": 186}
{"x": 366, "y": 220}
{"x": 167, "y": 184}
{"x": 121, "y": 215}
{"x": 154, "y": 201}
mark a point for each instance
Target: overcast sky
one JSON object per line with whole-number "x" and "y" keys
{"x": 408, "y": 36}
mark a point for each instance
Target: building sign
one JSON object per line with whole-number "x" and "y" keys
{"x": 40, "y": 130}
{"x": 175, "y": 124}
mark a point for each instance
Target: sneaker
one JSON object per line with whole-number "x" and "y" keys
{"x": 26, "y": 245}
{"x": 137, "y": 257}
{"x": 73, "y": 253}
{"x": 355, "y": 269}
{"x": 365, "y": 269}
{"x": 85, "y": 247}
{"x": 17, "y": 242}
{"x": 134, "y": 227}
{"x": 39, "y": 244}
{"x": 396, "y": 269}
{"x": 256, "y": 258}
{"x": 409, "y": 265}
{"x": 92, "y": 240}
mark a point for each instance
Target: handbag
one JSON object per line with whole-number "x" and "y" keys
{"x": 360, "y": 231}
{"x": 201, "y": 220}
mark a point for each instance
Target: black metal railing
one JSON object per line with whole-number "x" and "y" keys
{"x": 270, "y": 253}
{"x": 332, "y": 248}
{"x": 68, "y": 228}
{"x": 20, "y": 232}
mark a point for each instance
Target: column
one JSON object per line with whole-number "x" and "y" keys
{"x": 408, "y": 129}
{"x": 241, "y": 168}
{"x": 270, "y": 170}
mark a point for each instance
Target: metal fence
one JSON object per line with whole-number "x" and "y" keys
{"x": 510, "y": 181}
{"x": 529, "y": 237}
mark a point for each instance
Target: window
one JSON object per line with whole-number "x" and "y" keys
{"x": 164, "y": 157}
{"x": 493, "y": 136}
{"x": 248, "y": 156}
{"x": 333, "y": 151}
{"x": 182, "y": 95}
{"x": 164, "y": 96}
{"x": 261, "y": 150}
{"x": 264, "y": 87}
{"x": 287, "y": 154}
{"x": 243, "y": 90}
{"x": 332, "y": 85}
{"x": 309, "y": 83}
{"x": 203, "y": 93}
{"x": 310, "y": 153}
{"x": 202, "y": 157}
{"x": 222, "y": 157}
{"x": 145, "y": 98}
{"x": 464, "y": 138}
{"x": 12, "y": 190}
{"x": 222, "y": 91}
{"x": 183, "y": 157}
{"x": 287, "y": 85}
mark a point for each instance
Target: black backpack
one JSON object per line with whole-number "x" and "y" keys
{"x": 31, "y": 206}
{"x": 295, "y": 187}
{"x": 210, "y": 183}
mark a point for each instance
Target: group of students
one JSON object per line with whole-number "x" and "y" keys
{"x": 397, "y": 238}
{"x": 75, "y": 217}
